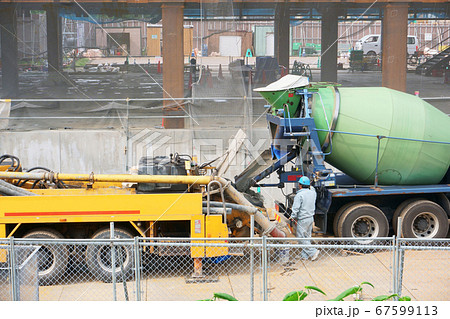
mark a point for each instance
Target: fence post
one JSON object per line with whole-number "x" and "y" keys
{"x": 264, "y": 266}
{"x": 12, "y": 264}
{"x": 137, "y": 268}
{"x": 399, "y": 260}
{"x": 252, "y": 265}
{"x": 113, "y": 260}
{"x": 394, "y": 266}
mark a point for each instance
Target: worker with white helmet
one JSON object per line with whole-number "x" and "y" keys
{"x": 303, "y": 210}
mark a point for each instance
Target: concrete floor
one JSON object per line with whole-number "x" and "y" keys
{"x": 424, "y": 279}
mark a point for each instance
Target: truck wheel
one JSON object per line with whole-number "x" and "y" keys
{"x": 371, "y": 54}
{"x": 398, "y": 211}
{"x": 363, "y": 220}
{"x": 98, "y": 257}
{"x": 52, "y": 258}
{"x": 338, "y": 215}
{"x": 424, "y": 219}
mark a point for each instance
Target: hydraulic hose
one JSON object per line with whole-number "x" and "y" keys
{"x": 8, "y": 189}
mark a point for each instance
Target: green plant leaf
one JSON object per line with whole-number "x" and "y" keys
{"x": 404, "y": 298}
{"x": 295, "y": 296}
{"x": 346, "y": 293}
{"x": 366, "y": 283}
{"x": 384, "y": 297}
{"x": 222, "y": 295}
{"x": 316, "y": 289}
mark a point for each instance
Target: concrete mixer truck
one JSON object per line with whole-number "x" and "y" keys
{"x": 375, "y": 155}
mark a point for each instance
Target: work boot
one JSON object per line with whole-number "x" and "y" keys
{"x": 315, "y": 256}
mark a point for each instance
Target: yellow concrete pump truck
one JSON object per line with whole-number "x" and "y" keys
{"x": 170, "y": 197}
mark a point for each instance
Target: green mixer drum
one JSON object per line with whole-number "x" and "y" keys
{"x": 384, "y": 112}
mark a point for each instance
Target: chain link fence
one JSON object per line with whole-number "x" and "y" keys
{"x": 160, "y": 269}
{"x": 423, "y": 269}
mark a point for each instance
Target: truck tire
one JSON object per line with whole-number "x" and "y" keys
{"x": 338, "y": 215}
{"x": 98, "y": 257}
{"x": 424, "y": 219}
{"x": 52, "y": 258}
{"x": 398, "y": 211}
{"x": 363, "y": 220}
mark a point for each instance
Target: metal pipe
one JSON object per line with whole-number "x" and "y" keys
{"x": 266, "y": 225}
{"x": 378, "y": 159}
{"x": 137, "y": 268}
{"x": 216, "y": 210}
{"x": 119, "y": 178}
{"x": 264, "y": 266}
{"x": 245, "y": 209}
{"x": 252, "y": 262}
{"x": 113, "y": 260}
{"x": 12, "y": 265}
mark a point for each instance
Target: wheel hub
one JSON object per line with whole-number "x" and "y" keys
{"x": 362, "y": 227}
{"x": 424, "y": 225}
{"x": 365, "y": 226}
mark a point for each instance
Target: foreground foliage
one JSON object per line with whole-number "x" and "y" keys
{"x": 299, "y": 295}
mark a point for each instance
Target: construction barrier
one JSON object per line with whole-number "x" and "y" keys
{"x": 247, "y": 268}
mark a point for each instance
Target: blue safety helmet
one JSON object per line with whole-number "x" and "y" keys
{"x": 304, "y": 181}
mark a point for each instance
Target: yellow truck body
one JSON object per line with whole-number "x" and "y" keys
{"x": 69, "y": 206}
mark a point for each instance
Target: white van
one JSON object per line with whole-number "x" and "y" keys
{"x": 371, "y": 44}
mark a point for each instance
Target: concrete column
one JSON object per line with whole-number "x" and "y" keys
{"x": 282, "y": 35}
{"x": 54, "y": 39}
{"x": 10, "y": 72}
{"x": 329, "y": 44}
{"x": 173, "y": 63}
{"x": 394, "y": 46}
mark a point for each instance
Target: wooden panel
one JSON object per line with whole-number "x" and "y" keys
{"x": 154, "y": 41}
{"x": 188, "y": 41}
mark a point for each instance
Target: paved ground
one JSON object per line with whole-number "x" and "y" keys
{"x": 425, "y": 278}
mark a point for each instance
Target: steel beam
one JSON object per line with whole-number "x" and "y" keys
{"x": 10, "y": 73}
{"x": 54, "y": 39}
{"x": 394, "y": 46}
{"x": 281, "y": 35}
{"x": 329, "y": 34}
{"x": 173, "y": 63}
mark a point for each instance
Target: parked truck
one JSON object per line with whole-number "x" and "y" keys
{"x": 171, "y": 197}
{"x": 374, "y": 154}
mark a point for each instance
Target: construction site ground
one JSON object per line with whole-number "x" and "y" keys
{"x": 333, "y": 272}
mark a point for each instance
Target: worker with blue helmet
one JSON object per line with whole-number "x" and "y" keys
{"x": 303, "y": 210}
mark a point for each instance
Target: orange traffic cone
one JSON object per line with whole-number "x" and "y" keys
{"x": 159, "y": 67}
